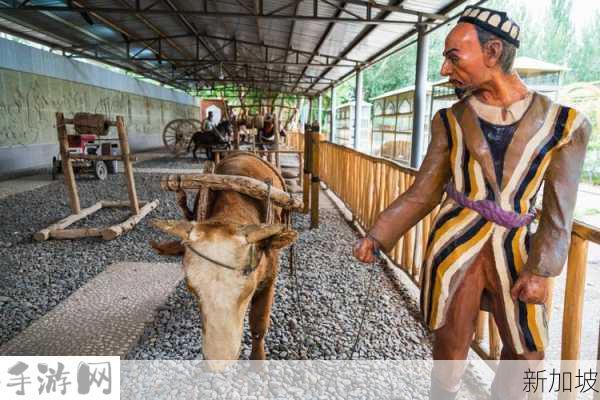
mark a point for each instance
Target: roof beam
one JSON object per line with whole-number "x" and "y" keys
{"x": 216, "y": 37}
{"x": 190, "y": 62}
{"x": 360, "y": 37}
{"x": 325, "y": 35}
{"x": 365, "y": 20}
{"x": 398, "y": 9}
{"x": 206, "y": 64}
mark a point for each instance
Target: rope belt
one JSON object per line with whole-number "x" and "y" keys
{"x": 490, "y": 210}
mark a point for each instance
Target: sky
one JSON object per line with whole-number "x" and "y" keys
{"x": 583, "y": 10}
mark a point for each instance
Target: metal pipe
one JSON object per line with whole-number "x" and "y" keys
{"x": 358, "y": 98}
{"x": 420, "y": 97}
{"x": 320, "y": 110}
{"x": 332, "y": 119}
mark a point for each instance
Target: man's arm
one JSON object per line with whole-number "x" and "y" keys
{"x": 550, "y": 243}
{"x": 422, "y": 197}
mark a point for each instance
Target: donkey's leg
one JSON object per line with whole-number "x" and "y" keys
{"x": 260, "y": 315}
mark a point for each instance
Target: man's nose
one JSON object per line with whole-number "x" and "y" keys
{"x": 446, "y": 69}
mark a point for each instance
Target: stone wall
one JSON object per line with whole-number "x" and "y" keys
{"x": 28, "y": 104}
{"x": 35, "y": 84}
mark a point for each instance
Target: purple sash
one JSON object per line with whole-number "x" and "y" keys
{"x": 490, "y": 210}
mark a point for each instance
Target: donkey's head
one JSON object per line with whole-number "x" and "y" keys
{"x": 224, "y": 264}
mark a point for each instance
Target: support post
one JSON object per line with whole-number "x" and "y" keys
{"x": 314, "y": 181}
{"x": 307, "y": 169}
{"x": 320, "y": 110}
{"x": 358, "y": 98}
{"x": 332, "y": 119}
{"x": 124, "y": 142}
{"x": 67, "y": 166}
{"x": 420, "y": 97}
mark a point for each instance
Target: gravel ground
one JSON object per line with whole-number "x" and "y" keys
{"x": 36, "y": 276}
{"x": 322, "y": 325}
{"x": 331, "y": 285}
{"x": 331, "y": 288}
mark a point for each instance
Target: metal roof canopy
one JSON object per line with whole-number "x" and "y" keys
{"x": 297, "y": 47}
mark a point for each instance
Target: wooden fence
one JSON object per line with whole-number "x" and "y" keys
{"x": 368, "y": 184}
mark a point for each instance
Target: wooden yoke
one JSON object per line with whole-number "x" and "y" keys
{"x": 242, "y": 184}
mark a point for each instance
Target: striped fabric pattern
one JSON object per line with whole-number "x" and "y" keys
{"x": 459, "y": 233}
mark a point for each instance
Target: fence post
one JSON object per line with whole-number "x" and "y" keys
{"x": 315, "y": 180}
{"x": 597, "y": 393}
{"x": 307, "y": 170}
{"x": 573, "y": 308}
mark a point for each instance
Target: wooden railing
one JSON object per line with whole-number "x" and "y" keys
{"x": 368, "y": 184}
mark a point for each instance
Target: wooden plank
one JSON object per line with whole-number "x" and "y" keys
{"x": 45, "y": 233}
{"x": 128, "y": 169}
{"x": 243, "y": 184}
{"x": 97, "y": 157}
{"x": 67, "y": 167}
{"x": 75, "y": 233}
{"x": 118, "y": 203}
{"x": 117, "y": 230}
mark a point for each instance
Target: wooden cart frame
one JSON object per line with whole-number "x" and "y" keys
{"x": 58, "y": 230}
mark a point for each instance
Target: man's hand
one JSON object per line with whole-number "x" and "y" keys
{"x": 365, "y": 248}
{"x": 530, "y": 288}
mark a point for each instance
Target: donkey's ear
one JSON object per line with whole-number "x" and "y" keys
{"x": 283, "y": 239}
{"x": 274, "y": 236}
{"x": 256, "y": 233}
{"x": 179, "y": 228}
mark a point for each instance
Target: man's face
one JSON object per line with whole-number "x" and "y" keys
{"x": 464, "y": 61}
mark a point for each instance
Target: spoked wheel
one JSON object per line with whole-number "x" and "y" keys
{"x": 178, "y": 133}
{"x": 100, "y": 170}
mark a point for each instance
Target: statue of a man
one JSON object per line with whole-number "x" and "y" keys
{"x": 488, "y": 157}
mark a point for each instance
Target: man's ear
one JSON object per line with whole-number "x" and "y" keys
{"x": 179, "y": 228}
{"x": 492, "y": 50}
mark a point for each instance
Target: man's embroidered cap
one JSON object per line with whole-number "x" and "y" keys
{"x": 496, "y": 22}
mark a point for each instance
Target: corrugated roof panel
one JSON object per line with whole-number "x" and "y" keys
{"x": 306, "y": 35}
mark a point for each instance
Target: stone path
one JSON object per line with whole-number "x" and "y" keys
{"x": 18, "y": 185}
{"x": 104, "y": 317}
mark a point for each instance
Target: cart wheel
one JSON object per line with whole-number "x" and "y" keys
{"x": 54, "y": 168}
{"x": 100, "y": 170}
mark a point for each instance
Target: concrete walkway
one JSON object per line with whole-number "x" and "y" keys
{"x": 18, "y": 185}
{"x": 104, "y": 317}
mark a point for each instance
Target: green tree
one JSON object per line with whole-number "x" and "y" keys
{"x": 585, "y": 63}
